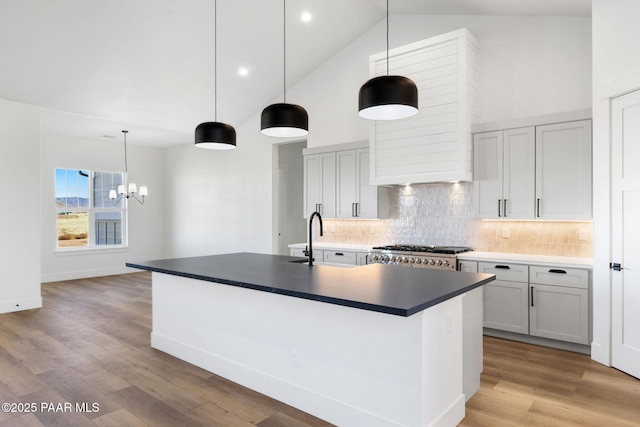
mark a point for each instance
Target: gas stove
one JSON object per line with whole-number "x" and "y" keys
{"x": 439, "y": 257}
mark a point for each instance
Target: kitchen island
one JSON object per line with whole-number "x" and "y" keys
{"x": 374, "y": 345}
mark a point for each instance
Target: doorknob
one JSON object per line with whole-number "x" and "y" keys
{"x": 615, "y": 266}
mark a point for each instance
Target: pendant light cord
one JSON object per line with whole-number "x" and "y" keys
{"x": 387, "y": 37}
{"x": 284, "y": 49}
{"x": 215, "y": 61}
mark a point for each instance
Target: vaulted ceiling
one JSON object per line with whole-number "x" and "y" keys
{"x": 148, "y": 65}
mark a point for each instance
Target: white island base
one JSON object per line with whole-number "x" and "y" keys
{"x": 348, "y": 366}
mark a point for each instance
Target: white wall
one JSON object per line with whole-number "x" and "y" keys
{"x": 20, "y": 177}
{"x": 221, "y": 201}
{"x": 528, "y": 66}
{"x": 146, "y": 237}
{"x": 616, "y": 69}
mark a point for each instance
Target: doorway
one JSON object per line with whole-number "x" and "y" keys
{"x": 289, "y": 192}
{"x": 625, "y": 233}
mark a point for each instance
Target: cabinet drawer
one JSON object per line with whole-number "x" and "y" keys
{"x": 559, "y": 276}
{"x": 505, "y": 271}
{"x": 340, "y": 257}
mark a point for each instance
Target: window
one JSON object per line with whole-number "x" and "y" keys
{"x": 86, "y": 217}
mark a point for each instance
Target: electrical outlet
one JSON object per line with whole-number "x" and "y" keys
{"x": 582, "y": 234}
{"x": 294, "y": 358}
{"x": 506, "y": 232}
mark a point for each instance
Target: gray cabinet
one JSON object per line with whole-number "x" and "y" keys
{"x": 563, "y": 171}
{"x": 504, "y": 173}
{"x": 355, "y": 197}
{"x": 320, "y": 184}
{"x": 559, "y": 304}
{"x": 535, "y": 172}
{"x": 506, "y": 300}
{"x": 468, "y": 266}
{"x": 337, "y": 183}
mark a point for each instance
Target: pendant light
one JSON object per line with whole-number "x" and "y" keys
{"x": 215, "y": 135}
{"x": 282, "y": 119}
{"x": 388, "y": 97}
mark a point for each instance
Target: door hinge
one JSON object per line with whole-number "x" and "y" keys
{"x": 615, "y": 266}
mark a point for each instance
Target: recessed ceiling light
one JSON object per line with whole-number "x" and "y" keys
{"x": 306, "y": 16}
{"x": 243, "y": 71}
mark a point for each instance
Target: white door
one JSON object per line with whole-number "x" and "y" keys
{"x": 519, "y": 155}
{"x": 625, "y": 211}
{"x": 487, "y": 174}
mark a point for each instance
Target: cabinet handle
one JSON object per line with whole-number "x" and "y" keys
{"x": 339, "y": 254}
{"x": 503, "y": 267}
{"x": 532, "y": 297}
{"x": 354, "y": 211}
{"x": 553, "y": 270}
{"x": 499, "y": 200}
{"x": 357, "y": 209}
{"x": 538, "y": 208}
{"x": 504, "y": 208}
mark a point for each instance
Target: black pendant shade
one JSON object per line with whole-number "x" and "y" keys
{"x": 388, "y": 98}
{"x": 215, "y": 136}
{"x": 284, "y": 120}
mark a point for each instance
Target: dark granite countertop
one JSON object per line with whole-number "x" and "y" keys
{"x": 391, "y": 289}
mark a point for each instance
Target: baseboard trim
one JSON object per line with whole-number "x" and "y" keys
{"x": 9, "y": 306}
{"x": 545, "y": 342}
{"x": 84, "y": 274}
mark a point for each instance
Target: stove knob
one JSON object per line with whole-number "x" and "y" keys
{"x": 384, "y": 258}
{"x": 406, "y": 260}
{"x": 446, "y": 263}
{"x": 411, "y": 260}
{"x": 439, "y": 262}
{"x": 418, "y": 260}
{"x": 374, "y": 258}
{"x": 432, "y": 261}
{"x": 392, "y": 258}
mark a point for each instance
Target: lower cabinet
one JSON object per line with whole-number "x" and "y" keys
{"x": 541, "y": 301}
{"x": 506, "y": 306}
{"x": 559, "y": 304}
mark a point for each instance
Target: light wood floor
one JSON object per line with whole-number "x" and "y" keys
{"x": 90, "y": 344}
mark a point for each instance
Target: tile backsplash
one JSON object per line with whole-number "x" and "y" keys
{"x": 442, "y": 214}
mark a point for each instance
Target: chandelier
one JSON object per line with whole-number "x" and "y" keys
{"x": 124, "y": 191}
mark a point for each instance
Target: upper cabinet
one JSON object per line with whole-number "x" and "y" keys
{"x": 342, "y": 189}
{"x": 434, "y": 145}
{"x": 534, "y": 172}
{"x": 504, "y": 167}
{"x": 563, "y": 171}
{"x": 320, "y": 184}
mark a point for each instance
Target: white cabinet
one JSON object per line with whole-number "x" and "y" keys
{"x": 506, "y": 299}
{"x": 362, "y": 258}
{"x": 534, "y": 172}
{"x": 563, "y": 171}
{"x": 337, "y": 183}
{"x": 355, "y": 197}
{"x": 340, "y": 257}
{"x": 434, "y": 145}
{"x": 559, "y": 304}
{"x": 504, "y": 173}
{"x": 320, "y": 184}
{"x": 468, "y": 266}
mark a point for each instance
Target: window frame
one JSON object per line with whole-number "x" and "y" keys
{"x": 91, "y": 209}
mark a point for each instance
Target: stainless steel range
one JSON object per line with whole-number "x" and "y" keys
{"x": 440, "y": 257}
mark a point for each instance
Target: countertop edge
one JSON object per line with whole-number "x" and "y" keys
{"x": 386, "y": 309}
{"x": 285, "y": 292}
{"x": 543, "y": 260}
